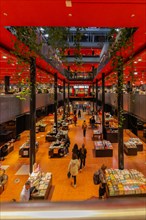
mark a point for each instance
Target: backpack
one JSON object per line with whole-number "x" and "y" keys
{"x": 96, "y": 178}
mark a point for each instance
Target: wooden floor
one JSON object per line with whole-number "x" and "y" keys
{"x": 62, "y": 189}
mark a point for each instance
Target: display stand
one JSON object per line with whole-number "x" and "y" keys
{"x": 137, "y": 142}
{"x": 42, "y": 183}
{"x": 97, "y": 135}
{"x": 112, "y": 135}
{"x": 24, "y": 149}
{"x": 103, "y": 149}
{"x": 121, "y": 183}
{"x": 130, "y": 149}
{"x": 58, "y": 149}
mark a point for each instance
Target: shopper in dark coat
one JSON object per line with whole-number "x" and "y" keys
{"x": 82, "y": 156}
{"x": 75, "y": 150}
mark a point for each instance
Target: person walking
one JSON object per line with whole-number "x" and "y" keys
{"x": 75, "y": 120}
{"x": 82, "y": 156}
{"x": 79, "y": 113}
{"x": 73, "y": 168}
{"x": 84, "y": 127}
{"x": 75, "y": 150}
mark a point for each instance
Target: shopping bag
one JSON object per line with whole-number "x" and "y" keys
{"x": 68, "y": 174}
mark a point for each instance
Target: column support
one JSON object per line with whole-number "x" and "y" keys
{"x": 55, "y": 100}
{"x": 120, "y": 119}
{"x": 32, "y": 112}
{"x": 103, "y": 104}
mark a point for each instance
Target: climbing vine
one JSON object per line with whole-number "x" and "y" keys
{"x": 121, "y": 45}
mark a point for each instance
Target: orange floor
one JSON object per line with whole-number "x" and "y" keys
{"x": 62, "y": 189}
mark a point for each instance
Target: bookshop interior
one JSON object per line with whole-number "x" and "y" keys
{"x": 73, "y": 109}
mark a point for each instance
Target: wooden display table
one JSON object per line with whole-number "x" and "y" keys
{"x": 129, "y": 149}
{"x": 137, "y": 142}
{"x": 43, "y": 185}
{"x": 40, "y": 127}
{"x": 51, "y": 136}
{"x": 57, "y": 148}
{"x": 125, "y": 183}
{"x": 24, "y": 149}
{"x": 112, "y": 136}
{"x": 101, "y": 150}
{"x": 97, "y": 135}
{"x": 139, "y": 147}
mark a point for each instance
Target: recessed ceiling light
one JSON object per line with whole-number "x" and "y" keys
{"x": 135, "y": 73}
{"x": 4, "y": 57}
{"x": 68, "y": 3}
{"x": 139, "y": 59}
{"x": 133, "y": 15}
{"x": 5, "y": 14}
{"x": 42, "y": 29}
{"x": 135, "y": 61}
{"x": 69, "y": 15}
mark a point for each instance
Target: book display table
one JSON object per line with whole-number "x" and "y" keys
{"x": 112, "y": 135}
{"x": 42, "y": 183}
{"x": 103, "y": 149}
{"x": 24, "y": 149}
{"x": 130, "y": 148}
{"x": 137, "y": 142}
{"x": 51, "y": 136}
{"x": 41, "y": 127}
{"x": 97, "y": 135}
{"x": 57, "y": 148}
{"x": 125, "y": 183}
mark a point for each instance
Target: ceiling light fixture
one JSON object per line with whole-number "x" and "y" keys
{"x": 135, "y": 73}
{"x": 4, "y": 57}
{"x": 70, "y": 15}
{"x": 133, "y": 15}
{"x": 68, "y": 3}
{"x": 5, "y": 14}
{"x": 139, "y": 59}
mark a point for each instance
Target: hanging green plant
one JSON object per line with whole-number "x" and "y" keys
{"x": 26, "y": 45}
{"x": 121, "y": 44}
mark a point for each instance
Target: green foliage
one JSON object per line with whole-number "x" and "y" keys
{"x": 30, "y": 37}
{"x": 121, "y": 42}
{"x": 58, "y": 38}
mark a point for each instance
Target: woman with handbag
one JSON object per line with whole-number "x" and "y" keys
{"x": 73, "y": 168}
